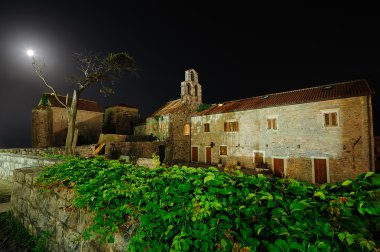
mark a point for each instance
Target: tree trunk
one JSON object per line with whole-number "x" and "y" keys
{"x": 71, "y": 123}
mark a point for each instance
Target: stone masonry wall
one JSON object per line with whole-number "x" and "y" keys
{"x": 42, "y": 210}
{"x": 300, "y": 137}
{"x": 10, "y": 162}
{"x": 89, "y": 124}
{"x": 138, "y": 149}
{"x": 83, "y": 150}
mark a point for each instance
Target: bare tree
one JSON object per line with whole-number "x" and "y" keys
{"x": 94, "y": 69}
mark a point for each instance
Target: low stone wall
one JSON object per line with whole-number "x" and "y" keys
{"x": 9, "y": 162}
{"x": 83, "y": 150}
{"x": 139, "y": 149}
{"x": 42, "y": 210}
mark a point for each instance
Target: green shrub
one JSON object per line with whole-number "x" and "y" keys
{"x": 195, "y": 209}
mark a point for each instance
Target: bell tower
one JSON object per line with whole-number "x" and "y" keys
{"x": 191, "y": 90}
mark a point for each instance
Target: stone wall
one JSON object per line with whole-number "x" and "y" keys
{"x": 299, "y": 138}
{"x": 42, "y": 210}
{"x": 119, "y": 119}
{"x": 41, "y": 126}
{"x": 49, "y": 126}
{"x": 82, "y": 150}
{"x": 137, "y": 149}
{"x": 11, "y": 162}
{"x": 169, "y": 129}
{"x": 139, "y": 129}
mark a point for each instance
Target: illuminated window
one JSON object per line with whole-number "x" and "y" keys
{"x": 206, "y": 127}
{"x": 223, "y": 150}
{"x": 272, "y": 123}
{"x": 186, "y": 129}
{"x": 331, "y": 119}
{"x": 231, "y": 126}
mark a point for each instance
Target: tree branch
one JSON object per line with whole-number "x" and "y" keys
{"x": 38, "y": 70}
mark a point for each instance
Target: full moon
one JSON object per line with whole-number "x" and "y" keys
{"x": 30, "y": 52}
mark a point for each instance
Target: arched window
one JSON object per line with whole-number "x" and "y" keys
{"x": 186, "y": 129}
{"x": 196, "y": 90}
{"x": 188, "y": 88}
{"x": 192, "y": 75}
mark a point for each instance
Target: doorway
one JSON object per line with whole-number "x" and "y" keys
{"x": 279, "y": 167}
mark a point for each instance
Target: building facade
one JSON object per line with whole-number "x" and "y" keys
{"x": 120, "y": 119}
{"x": 170, "y": 124}
{"x": 321, "y": 134}
{"x": 49, "y": 122}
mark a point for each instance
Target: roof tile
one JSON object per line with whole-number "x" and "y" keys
{"x": 82, "y": 104}
{"x": 314, "y": 94}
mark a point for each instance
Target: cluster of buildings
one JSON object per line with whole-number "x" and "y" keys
{"x": 320, "y": 134}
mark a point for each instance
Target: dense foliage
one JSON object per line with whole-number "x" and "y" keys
{"x": 194, "y": 209}
{"x": 203, "y": 106}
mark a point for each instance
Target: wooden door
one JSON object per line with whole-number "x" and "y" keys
{"x": 320, "y": 171}
{"x": 278, "y": 167}
{"x": 194, "y": 153}
{"x": 208, "y": 155}
{"x": 259, "y": 159}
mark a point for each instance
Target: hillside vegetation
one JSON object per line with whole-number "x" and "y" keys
{"x": 194, "y": 209}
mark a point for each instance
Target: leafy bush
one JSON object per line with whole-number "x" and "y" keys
{"x": 194, "y": 209}
{"x": 203, "y": 106}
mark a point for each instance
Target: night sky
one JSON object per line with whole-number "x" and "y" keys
{"x": 238, "y": 50}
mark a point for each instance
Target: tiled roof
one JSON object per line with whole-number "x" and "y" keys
{"x": 122, "y": 105}
{"x": 327, "y": 92}
{"x": 169, "y": 108}
{"x": 82, "y": 104}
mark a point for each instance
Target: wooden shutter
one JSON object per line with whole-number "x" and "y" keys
{"x": 327, "y": 123}
{"x": 236, "y": 126}
{"x": 274, "y": 123}
{"x": 226, "y": 128}
{"x": 334, "y": 121}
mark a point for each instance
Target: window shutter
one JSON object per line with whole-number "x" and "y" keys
{"x": 274, "y": 123}
{"x": 334, "y": 122}
{"x": 269, "y": 123}
{"x": 237, "y": 126}
{"x": 225, "y": 126}
{"x": 327, "y": 119}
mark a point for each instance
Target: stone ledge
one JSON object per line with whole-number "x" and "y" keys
{"x": 27, "y": 174}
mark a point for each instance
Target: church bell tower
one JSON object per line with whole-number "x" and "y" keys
{"x": 191, "y": 90}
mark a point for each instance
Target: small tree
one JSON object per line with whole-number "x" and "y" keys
{"x": 94, "y": 69}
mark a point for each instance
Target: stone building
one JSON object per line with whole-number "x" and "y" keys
{"x": 49, "y": 122}
{"x": 120, "y": 119}
{"x": 321, "y": 134}
{"x": 171, "y": 123}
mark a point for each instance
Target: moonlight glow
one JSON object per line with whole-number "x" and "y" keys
{"x": 30, "y": 52}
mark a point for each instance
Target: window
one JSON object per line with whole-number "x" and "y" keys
{"x": 259, "y": 159}
{"x": 192, "y": 75}
{"x": 272, "y": 123}
{"x": 330, "y": 119}
{"x": 196, "y": 90}
{"x": 206, "y": 127}
{"x": 223, "y": 150}
{"x": 231, "y": 126}
{"x": 186, "y": 129}
{"x": 188, "y": 88}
